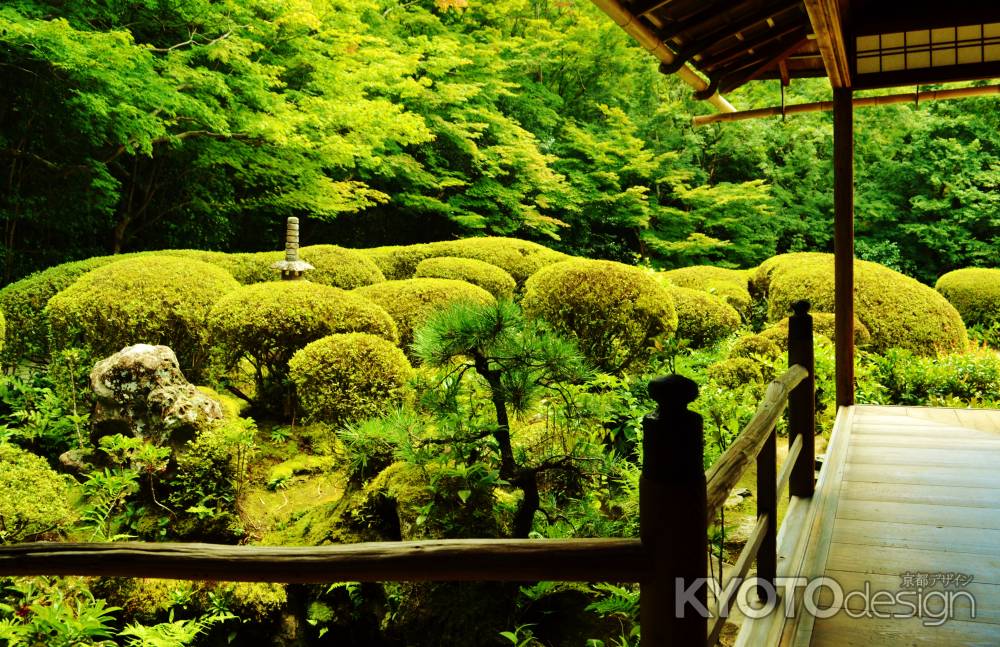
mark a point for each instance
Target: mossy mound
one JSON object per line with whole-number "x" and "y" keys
{"x": 975, "y": 293}
{"x": 33, "y": 498}
{"x": 519, "y": 258}
{"x": 143, "y": 299}
{"x": 727, "y": 284}
{"x": 614, "y": 312}
{"x": 343, "y": 378}
{"x": 702, "y": 319}
{"x": 23, "y": 304}
{"x": 760, "y": 278}
{"x": 398, "y": 262}
{"x": 823, "y": 324}
{"x": 753, "y": 346}
{"x": 899, "y": 312}
{"x": 340, "y": 267}
{"x": 489, "y": 277}
{"x": 411, "y": 301}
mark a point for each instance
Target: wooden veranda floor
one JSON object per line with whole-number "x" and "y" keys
{"x": 909, "y": 500}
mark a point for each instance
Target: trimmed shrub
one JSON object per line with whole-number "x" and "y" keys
{"x": 823, "y": 324}
{"x": 756, "y": 346}
{"x": 144, "y": 299}
{"x": 398, "y": 262}
{"x": 735, "y": 372}
{"x": 975, "y": 293}
{"x": 266, "y": 323}
{"x": 343, "y": 378}
{"x": 898, "y": 311}
{"x": 246, "y": 268}
{"x": 702, "y": 318}
{"x": 340, "y": 267}
{"x": 23, "y": 304}
{"x": 519, "y": 258}
{"x": 33, "y": 498}
{"x": 971, "y": 379}
{"x": 410, "y": 302}
{"x": 615, "y": 312}
{"x": 760, "y": 279}
{"x": 489, "y": 277}
{"x": 729, "y": 285}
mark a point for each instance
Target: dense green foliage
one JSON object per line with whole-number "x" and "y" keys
{"x": 142, "y": 300}
{"x": 702, "y": 319}
{"x": 266, "y": 323}
{"x": 411, "y": 302}
{"x": 489, "y": 277}
{"x": 343, "y": 378}
{"x": 34, "y": 500}
{"x": 340, "y": 267}
{"x": 615, "y": 313}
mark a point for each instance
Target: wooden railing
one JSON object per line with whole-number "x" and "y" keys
{"x": 677, "y": 498}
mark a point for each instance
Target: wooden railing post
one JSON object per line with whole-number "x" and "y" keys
{"x": 767, "y": 506}
{"x": 802, "y": 401}
{"x": 673, "y": 518}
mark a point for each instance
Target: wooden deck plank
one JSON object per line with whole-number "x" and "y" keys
{"x": 920, "y": 514}
{"x": 946, "y": 440}
{"x": 940, "y": 495}
{"x": 921, "y": 456}
{"x": 843, "y": 631}
{"x": 905, "y": 474}
{"x": 888, "y": 560}
{"x": 923, "y": 536}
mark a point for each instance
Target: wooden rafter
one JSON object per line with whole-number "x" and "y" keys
{"x": 828, "y": 26}
{"x": 732, "y": 82}
{"x": 749, "y": 52}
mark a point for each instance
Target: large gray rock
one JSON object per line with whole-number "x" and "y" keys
{"x": 140, "y": 391}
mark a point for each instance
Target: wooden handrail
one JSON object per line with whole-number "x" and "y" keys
{"x": 511, "y": 560}
{"x": 790, "y": 461}
{"x": 728, "y": 470}
{"x": 740, "y": 570}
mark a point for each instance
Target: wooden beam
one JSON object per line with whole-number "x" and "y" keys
{"x": 512, "y": 560}
{"x": 733, "y": 82}
{"x": 859, "y": 102}
{"x": 645, "y": 36}
{"x": 783, "y": 72}
{"x": 843, "y": 242}
{"x": 828, "y": 25}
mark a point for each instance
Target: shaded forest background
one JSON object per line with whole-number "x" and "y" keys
{"x": 142, "y": 124}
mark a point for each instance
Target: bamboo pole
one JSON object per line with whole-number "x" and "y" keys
{"x": 645, "y": 36}
{"x": 859, "y": 102}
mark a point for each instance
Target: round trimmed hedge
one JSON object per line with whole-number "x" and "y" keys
{"x": 34, "y": 500}
{"x": 975, "y": 293}
{"x": 898, "y": 311}
{"x": 614, "y": 312}
{"x": 519, "y": 258}
{"x": 753, "y": 346}
{"x": 143, "y": 299}
{"x": 23, "y": 303}
{"x": 727, "y": 284}
{"x": 340, "y": 267}
{"x": 411, "y": 301}
{"x": 398, "y": 262}
{"x": 489, "y": 277}
{"x": 343, "y": 378}
{"x": 267, "y": 323}
{"x": 735, "y": 372}
{"x": 702, "y": 318}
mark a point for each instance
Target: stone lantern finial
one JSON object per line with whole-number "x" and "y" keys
{"x": 292, "y": 268}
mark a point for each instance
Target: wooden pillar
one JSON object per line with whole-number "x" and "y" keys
{"x": 673, "y": 518}
{"x": 843, "y": 241}
{"x": 802, "y": 401}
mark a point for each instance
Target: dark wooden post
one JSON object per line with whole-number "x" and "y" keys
{"x": 843, "y": 242}
{"x": 802, "y": 401}
{"x": 767, "y": 504}
{"x": 673, "y": 517}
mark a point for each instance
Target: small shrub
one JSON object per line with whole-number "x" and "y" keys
{"x": 736, "y": 372}
{"x": 33, "y": 498}
{"x": 266, "y": 323}
{"x": 410, "y": 302}
{"x": 975, "y": 293}
{"x": 701, "y": 318}
{"x": 343, "y": 378}
{"x": 968, "y": 379}
{"x": 398, "y": 262}
{"x": 756, "y": 346}
{"x": 23, "y": 304}
{"x": 489, "y": 277}
{"x": 144, "y": 299}
{"x": 519, "y": 258}
{"x": 614, "y": 312}
{"x": 729, "y": 285}
{"x": 340, "y": 267}
{"x": 898, "y": 311}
